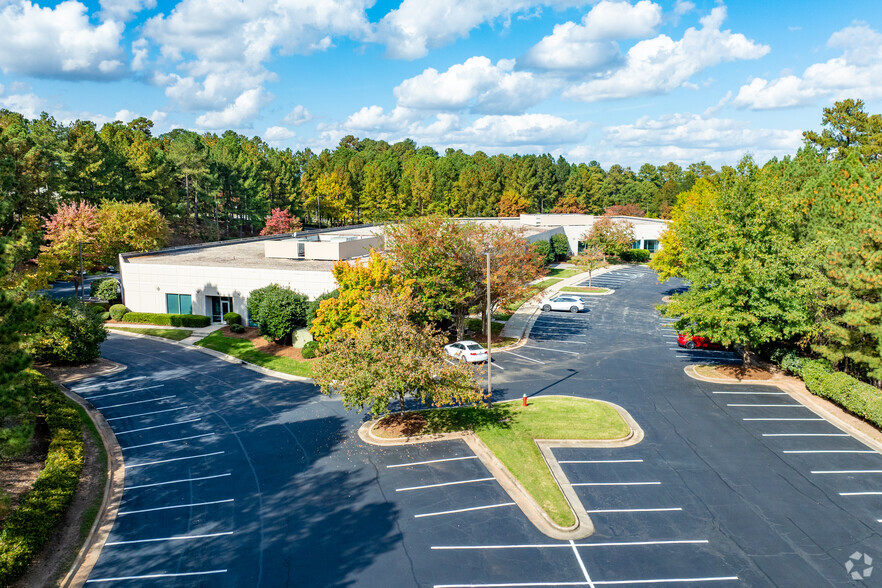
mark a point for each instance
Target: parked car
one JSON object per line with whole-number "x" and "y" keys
{"x": 466, "y": 351}
{"x": 693, "y": 342}
{"x": 570, "y": 303}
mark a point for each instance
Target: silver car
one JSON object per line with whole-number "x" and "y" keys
{"x": 466, "y": 351}
{"x": 570, "y": 303}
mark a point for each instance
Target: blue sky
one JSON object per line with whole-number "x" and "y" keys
{"x": 612, "y": 81}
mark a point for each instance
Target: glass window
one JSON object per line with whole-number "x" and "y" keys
{"x": 186, "y": 304}
{"x": 172, "y": 304}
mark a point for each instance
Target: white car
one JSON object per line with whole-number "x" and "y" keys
{"x": 466, "y": 351}
{"x": 570, "y": 303}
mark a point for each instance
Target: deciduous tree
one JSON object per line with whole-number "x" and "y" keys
{"x": 281, "y": 221}
{"x": 610, "y": 236}
{"x": 590, "y": 260}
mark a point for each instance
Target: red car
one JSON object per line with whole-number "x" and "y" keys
{"x": 693, "y": 342}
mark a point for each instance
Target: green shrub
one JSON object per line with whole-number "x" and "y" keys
{"x": 310, "y": 350}
{"x": 638, "y": 255}
{"x": 278, "y": 311}
{"x": 41, "y": 510}
{"x": 96, "y": 309}
{"x": 167, "y": 320}
{"x": 117, "y": 311}
{"x": 105, "y": 316}
{"x": 858, "y": 398}
{"x": 233, "y": 318}
{"x": 105, "y": 289}
{"x": 543, "y": 248}
{"x": 314, "y": 304}
{"x": 237, "y": 328}
{"x": 68, "y": 333}
{"x": 560, "y": 246}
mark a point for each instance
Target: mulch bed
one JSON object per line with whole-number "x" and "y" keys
{"x": 400, "y": 425}
{"x": 261, "y": 344}
{"x": 17, "y": 476}
{"x": 741, "y": 372}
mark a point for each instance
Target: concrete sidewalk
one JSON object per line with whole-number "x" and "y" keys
{"x": 198, "y": 332}
{"x": 517, "y": 325}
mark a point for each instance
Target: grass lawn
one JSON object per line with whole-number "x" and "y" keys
{"x": 563, "y": 273}
{"x": 533, "y": 291}
{"x": 245, "y": 350}
{"x": 508, "y": 429}
{"x": 176, "y": 334}
{"x": 584, "y": 289}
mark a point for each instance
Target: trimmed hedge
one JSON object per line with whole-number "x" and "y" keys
{"x": 310, "y": 350}
{"x": 237, "y": 328}
{"x": 117, "y": 311}
{"x": 858, "y": 398}
{"x": 105, "y": 316}
{"x": 31, "y": 524}
{"x": 638, "y": 255}
{"x": 233, "y": 318}
{"x": 167, "y": 320}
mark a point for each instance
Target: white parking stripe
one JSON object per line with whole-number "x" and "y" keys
{"x": 805, "y": 434}
{"x": 177, "y": 481}
{"x": 526, "y": 358}
{"x": 847, "y": 471}
{"x": 600, "y": 461}
{"x": 860, "y": 494}
{"x": 669, "y": 581}
{"x": 610, "y": 510}
{"x": 616, "y": 484}
{"x": 783, "y": 419}
{"x": 153, "y": 576}
{"x": 129, "y": 512}
{"x": 132, "y": 416}
{"x": 78, "y": 389}
{"x": 554, "y": 350}
{"x": 136, "y": 402}
{"x": 167, "y": 441}
{"x": 752, "y": 393}
{"x": 90, "y": 398}
{"x": 562, "y": 545}
{"x": 413, "y": 463}
{"x": 138, "y": 465}
{"x": 830, "y": 451}
{"x": 581, "y": 564}
{"x": 157, "y": 426}
{"x": 444, "y": 484}
{"x": 769, "y": 405}
{"x": 445, "y": 512}
{"x": 174, "y": 538}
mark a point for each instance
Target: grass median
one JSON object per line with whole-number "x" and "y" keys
{"x": 509, "y": 429}
{"x": 174, "y": 334}
{"x": 585, "y": 289}
{"x": 246, "y": 351}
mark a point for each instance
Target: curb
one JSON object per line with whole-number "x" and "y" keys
{"x": 113, "y": 491}
{"x": 796, "y": 389}
{"x": 583, "y": 526}
{"x": 224, "y": 356}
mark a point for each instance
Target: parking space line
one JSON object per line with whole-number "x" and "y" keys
{"x": 769, "y": 405}
{"x": 132, "y": 416}
{"x": 157, "y": 426}
{"x": 136, "y": 402}
{"x": 138, "y": 465}
{"x": 830, "y": 451}
{"x": 522, "y": 357}
{"x": 444, "y": 484}
{"x": 668, "y": 581}
{"x": 555, "y": 350}
{"x": 805, "y": 435}
{"x": 154, "y": 576}
{"x": 78, "y": 389}
{"x": 616, "y": 484}
{"x": 129, "y": 512}
{"x": 751, "y": 393}
{"x": 860, "y": 493}
{"x": 559, "y": 545}
{"x": 497, "y": 364}
{"x": 178, "y": 481}
{"x": 167, "y": 441}
{"x": 846, "y": 471}
{"x": 581, "y": 564}
{"x": 512, "y": 585}
{"x": 444, "y": 512}
{"x": 600, "y": 461}
{"x": 173, "y": 538}
{"x": 90, "y": 398}
{"x": 413, "y": 463}
{"x": 781, "y": 419}
{"x": 614, "y": 510}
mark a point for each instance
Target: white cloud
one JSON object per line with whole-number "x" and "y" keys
{"x": 685, "y": 138}
{"x": 416, "y": 26}
{"x": 298, "y": 116}
{"x": 682, "y": 7}
{"x": 590, "y": 46}
{"x": 158, "y": 118}
{"x": 28, "y": 105}
{"x": 278, "y": 134}
{"x": 243, "y": 110}
{"x": 140, "y": 53}
{"x": 855, "y": 73}
{"x": 659, "y": 65}
{"x": 477, "y": 85}
{"x": 123, "y": 10}
{"x": 58, "y": 42}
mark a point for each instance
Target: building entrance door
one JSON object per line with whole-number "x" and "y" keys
{"x": 220, "y": 305}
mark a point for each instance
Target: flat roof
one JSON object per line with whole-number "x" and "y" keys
{"x": 248, "y": 254}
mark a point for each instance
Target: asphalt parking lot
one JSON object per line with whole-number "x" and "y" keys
{"x": 237, "y": 479}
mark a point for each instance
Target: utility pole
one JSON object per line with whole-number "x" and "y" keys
{"x": 82, "y": 273}
{"x": 489, "y": 328}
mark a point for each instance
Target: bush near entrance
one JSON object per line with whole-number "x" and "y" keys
{"x": 635, "y": 255}
{"x": 233, "y": 318}
{"x": 167, "y": 320}
{"x": 117, "y": 311}
{"x": 278, "y": 311}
